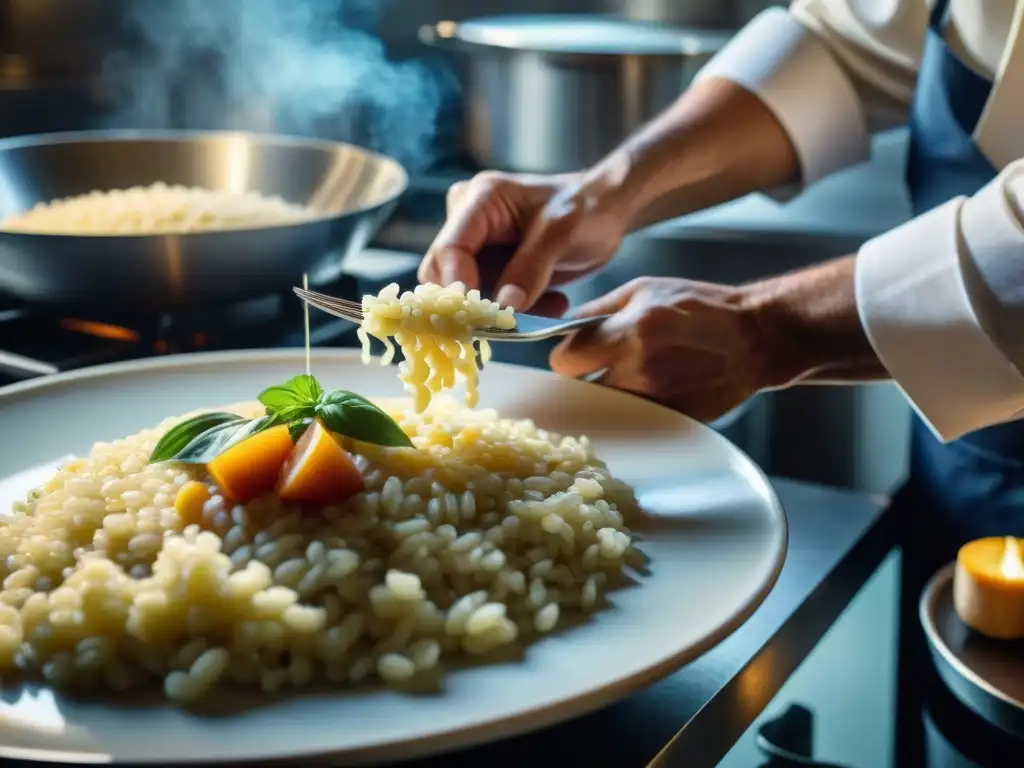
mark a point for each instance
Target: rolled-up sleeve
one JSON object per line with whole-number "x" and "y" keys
{"x": 941, "y": 299}
{"x": 791, "y": 70}
{"x": 830, "y": 73}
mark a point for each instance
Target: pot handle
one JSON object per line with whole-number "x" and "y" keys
{"x": 444, "y": 34}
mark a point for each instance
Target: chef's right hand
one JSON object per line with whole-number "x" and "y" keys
{"x": 561, "y": 227}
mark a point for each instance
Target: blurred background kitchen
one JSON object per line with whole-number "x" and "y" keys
{"x": 384, "y": 74}
{"x": 409, "y": 79}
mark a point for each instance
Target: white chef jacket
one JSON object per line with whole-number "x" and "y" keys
{"x": 833, "y": 72}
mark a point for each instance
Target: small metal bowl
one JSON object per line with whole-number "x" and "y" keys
{"x": 987, "y": 676}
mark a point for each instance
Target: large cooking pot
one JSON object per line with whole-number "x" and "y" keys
{"x": 549, "y": 93}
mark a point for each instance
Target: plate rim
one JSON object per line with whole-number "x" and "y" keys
{"x": 439, "y": 742}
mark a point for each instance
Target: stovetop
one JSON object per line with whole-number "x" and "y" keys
{"x": 37, "y": 340}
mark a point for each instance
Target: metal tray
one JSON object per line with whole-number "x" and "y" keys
{"x": 986, "y": 675}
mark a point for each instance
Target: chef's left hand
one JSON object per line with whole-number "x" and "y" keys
{"x": 695, "y": 347}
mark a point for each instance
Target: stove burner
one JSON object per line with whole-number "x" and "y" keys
{"x": 37, "y": 340}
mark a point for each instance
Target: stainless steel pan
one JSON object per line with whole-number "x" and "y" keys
{"x": 551, "y": 93}
{"x": 352, "y": 191}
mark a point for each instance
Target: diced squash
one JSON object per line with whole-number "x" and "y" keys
{"x": 319, "y": 470}
{"x": 190, "y": 500}
{"x": 250, "y": 468}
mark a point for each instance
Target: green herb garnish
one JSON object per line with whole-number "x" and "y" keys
{"x": 177, "y": 438}
{"x": 295, "y": 398}
{"x": 350, "y": 414}
{"x": 297, "y": 428}
{"x": 296, "y": 403}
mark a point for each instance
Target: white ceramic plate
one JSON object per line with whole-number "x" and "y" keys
{"x": 715, "y": 532}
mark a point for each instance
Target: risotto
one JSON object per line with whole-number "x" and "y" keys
{"x": 470, "y": 533}
{"x": 434, "y": 329}
{"x": 157, "y": 209}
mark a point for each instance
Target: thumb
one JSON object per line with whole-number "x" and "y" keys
{"x": 588, "y": 350}
{"x": 592, "y": 349}
{"x": 611, "y": 302}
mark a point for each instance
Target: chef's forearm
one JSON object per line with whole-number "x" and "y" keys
{"x": 717, "y": 143}
{"x": 811, "y": 326}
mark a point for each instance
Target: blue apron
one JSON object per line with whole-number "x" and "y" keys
{"x": 972, "y": 487}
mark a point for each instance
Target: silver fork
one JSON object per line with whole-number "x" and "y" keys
{"x": 528, "y": 327}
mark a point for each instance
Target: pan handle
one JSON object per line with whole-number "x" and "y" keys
{"x": 444, "y": 35}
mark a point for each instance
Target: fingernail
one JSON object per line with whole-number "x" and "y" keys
{"x": 511, "y": 296}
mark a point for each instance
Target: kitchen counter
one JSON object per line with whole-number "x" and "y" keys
{"x": 837, "y": 541}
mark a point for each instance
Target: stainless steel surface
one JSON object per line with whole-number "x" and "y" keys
{"x": 528, "y": 327}
{"x": 986, "y": 675}
{"x": 398, "y": 20}
{"x": 534, "y": 328}
{"x": 699, "y": 12}
{"x": 550, "y": 93}
{"x": 351, "y": 190}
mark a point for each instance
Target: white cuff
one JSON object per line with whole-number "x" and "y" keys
{"x": 917, "y": 313}
{"x": 791, "y": 70}
{"x": 992, "y": 232}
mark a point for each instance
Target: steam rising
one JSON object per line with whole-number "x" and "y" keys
{"x": 306, "y": 67}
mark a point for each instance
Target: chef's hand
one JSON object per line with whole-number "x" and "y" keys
{"x": 695, "y": 347}
{"x": 560, "y": 225}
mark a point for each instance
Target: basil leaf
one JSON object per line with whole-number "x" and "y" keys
{"x": 177, "y": 437}
{"x": 294, "y": 413}
{"x": 210, "y": 444}
{"x": 298, "y": 428}
{"x": 301, "y": 391}
{"x": 349, "y": 414}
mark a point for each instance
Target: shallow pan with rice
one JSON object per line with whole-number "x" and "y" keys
{"x": 348, "y": 190}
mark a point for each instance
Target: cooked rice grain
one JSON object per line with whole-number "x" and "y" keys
{"x": 483, "y": 537}
{"x": 434, "y": 327}
{"x": 156, "y": 209}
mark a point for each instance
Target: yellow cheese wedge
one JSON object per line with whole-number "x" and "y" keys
{"x": 988, "y": 587}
